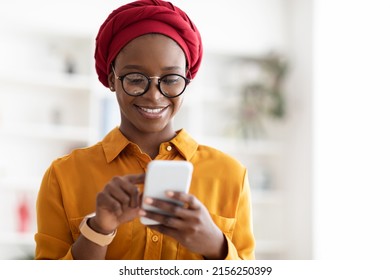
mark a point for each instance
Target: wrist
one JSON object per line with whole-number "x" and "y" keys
{"x": 99, "y": 238}
{"x": 220, "y": 251}
{"x": 93, "y": 224}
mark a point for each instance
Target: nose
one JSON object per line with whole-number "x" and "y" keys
{"x": 153, "y": 91}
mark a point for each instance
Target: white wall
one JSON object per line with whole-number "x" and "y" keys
{"x": 297, "y": 176}
{"x": 352, "y": 136}
{"x": 250, "y": 26}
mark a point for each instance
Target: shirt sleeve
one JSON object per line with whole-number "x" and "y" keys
{"x": 242, "y": 243}
{"x": 53, "y": 238}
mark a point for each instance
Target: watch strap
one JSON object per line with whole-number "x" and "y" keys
{"x": 95, "y": 237}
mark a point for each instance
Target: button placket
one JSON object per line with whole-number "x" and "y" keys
{"x": 155, "y": 238}
{"x": 153, "y": 245}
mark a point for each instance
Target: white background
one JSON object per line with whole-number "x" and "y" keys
{"x": 351, "y": 125}
{"x": 339, "y": 148}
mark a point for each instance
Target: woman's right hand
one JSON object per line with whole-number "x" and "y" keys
{"x": 117, "y": 203}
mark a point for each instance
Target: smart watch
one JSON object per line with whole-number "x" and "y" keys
{"x": 95, "y": 237}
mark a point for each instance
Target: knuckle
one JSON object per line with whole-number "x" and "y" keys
{"x": 101, "y": 197}
{"x": 194, "y": 230}
{"x": 191, "y": 200}
{"x": 125, "y": 199}
{"x": 116, "y": 206}
{"x": 133, "y": 191}
{"x": 167, "y": 220}
{"x": 175, "y": 210}
{"x": 114, "y": 178}
{"x": 110, "y": 186}
{"x": 186, "y": 239}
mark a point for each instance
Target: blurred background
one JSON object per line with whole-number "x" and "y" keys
{"x": 297, "y": 90}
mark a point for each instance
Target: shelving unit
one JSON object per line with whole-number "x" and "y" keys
{"x": 47, "y": 105}
{"x": 46, "y": 111}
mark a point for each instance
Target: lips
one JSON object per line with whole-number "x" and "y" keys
{"x": 151, "y": 112}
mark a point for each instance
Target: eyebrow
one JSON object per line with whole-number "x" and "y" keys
{"x": 139, "y": 67}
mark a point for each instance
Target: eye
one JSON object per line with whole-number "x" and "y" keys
{"x": 172, "y": 80}
{"x": 134, "y": 79}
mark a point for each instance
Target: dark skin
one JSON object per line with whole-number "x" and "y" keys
{"x": 147, "y": 121}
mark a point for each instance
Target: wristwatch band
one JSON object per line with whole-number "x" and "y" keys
{"x": 95, "y": 237}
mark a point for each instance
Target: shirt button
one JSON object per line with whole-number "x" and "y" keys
{"x": 155, "y": 238}
{"x": 169, "y": 148}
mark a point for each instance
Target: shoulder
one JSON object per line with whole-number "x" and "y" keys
{"x": 210, "y": 156}
{"x": 212, "y": 152}
{"x": 206, "y": 156}
{"x": 81, "y": 156}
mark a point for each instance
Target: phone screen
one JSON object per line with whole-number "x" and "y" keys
{"x": 164, "y": 175}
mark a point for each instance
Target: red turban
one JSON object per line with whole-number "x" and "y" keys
{"x": 142, "y": 17}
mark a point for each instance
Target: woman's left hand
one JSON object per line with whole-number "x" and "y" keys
{"x": 191, "y": 225}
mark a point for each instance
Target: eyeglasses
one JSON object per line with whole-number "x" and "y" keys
{"x": 137, "y": 84}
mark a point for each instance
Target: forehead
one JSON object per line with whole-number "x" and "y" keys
{"x": 152, "y": 48}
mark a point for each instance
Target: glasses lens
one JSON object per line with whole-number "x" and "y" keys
{"x": 172, "y": 85}
{"x": 135, "y": 83}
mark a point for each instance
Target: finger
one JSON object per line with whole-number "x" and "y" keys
{"x": 116, "y": 189}
{"x": 130, "y": 187}
{"x": 125, "y": 194}
{"x": 162, "y": 219}
{"x": 107, "y": 202}
{"x": 133, "y": 193}
{"x": 172, "y": 232}
{"x": 140, "y": 197}
{"x": 168, "y": 207}
{"x": 189, "y": 201}
{"x": 135, "y": 179}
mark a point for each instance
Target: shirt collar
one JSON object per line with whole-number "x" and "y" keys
{"x": 185, "y": 144}
{"x": 115, "y": 142}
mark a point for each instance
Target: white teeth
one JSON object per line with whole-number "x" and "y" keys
{"x": 152, "y": 111}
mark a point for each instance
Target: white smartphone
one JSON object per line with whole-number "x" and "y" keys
{"x": 163, "y": 175}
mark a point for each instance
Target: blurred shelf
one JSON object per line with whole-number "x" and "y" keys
{"x": 44, "y": 113}
{"x": 71, "y": 82}
{"x": 248, "y": 147}
{"x": 47, "y": 131}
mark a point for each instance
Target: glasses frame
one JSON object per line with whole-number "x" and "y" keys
{"x": 121, "y": 78}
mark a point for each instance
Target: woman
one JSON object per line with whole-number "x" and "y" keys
{"x": 88, "y": 206}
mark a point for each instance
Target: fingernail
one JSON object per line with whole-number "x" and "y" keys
{"x": 148, "y": 200}
{"x": 170, "y": 193}
{"x": 141, "y": 212}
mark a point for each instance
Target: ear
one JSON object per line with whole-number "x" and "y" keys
{"x": 111, "y": 81}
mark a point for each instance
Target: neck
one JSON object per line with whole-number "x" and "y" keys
{"x": 149, "y": 142}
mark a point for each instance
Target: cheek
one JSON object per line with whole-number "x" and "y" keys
{"x": 119, "y": 99}
{"x": 123, "y": 100}
{"x": 177, "y": 104}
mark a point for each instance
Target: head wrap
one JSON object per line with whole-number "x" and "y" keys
{"x": 143, "y": 17}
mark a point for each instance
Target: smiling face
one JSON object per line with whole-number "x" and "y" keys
{"x": 151, "y": 113}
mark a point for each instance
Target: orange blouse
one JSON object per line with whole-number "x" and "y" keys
{"x": 70, "y": 185}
